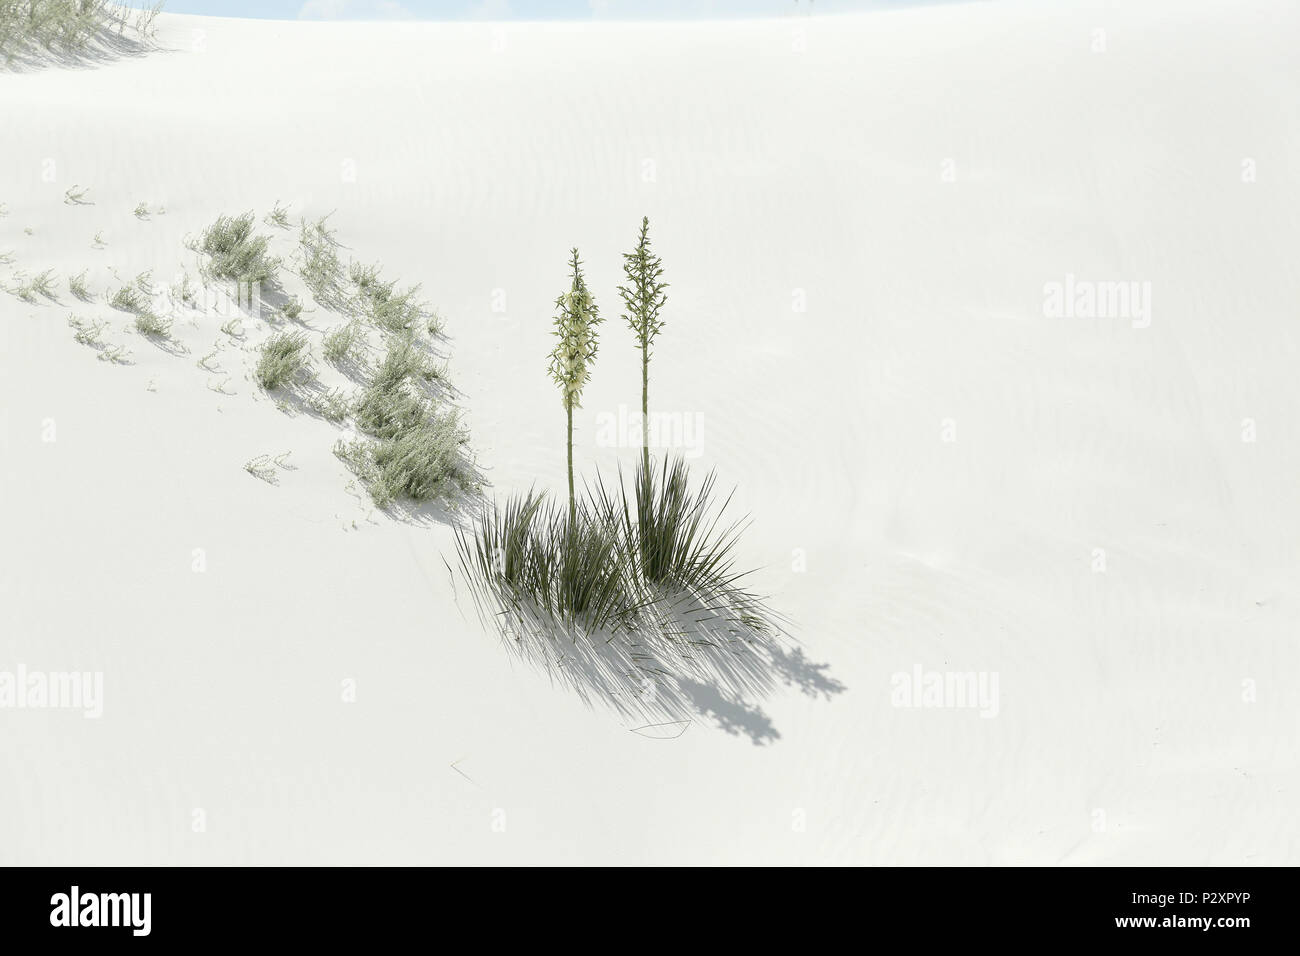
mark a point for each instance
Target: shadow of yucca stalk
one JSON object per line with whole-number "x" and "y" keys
{"x": 635, "y": 602}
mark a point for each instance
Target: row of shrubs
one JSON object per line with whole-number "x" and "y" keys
{"x": 414, "y": 446}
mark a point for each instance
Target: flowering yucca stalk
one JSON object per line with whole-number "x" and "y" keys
{"x": 575, "y": 327}
{"x": 643, "y": 297}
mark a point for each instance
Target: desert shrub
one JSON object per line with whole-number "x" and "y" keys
{"x": 398, "y": 311}
{"x": 43, "y": 284}
{"x": 184, "y": 291}
{"x": 414, "y": 450}
{"x": 394, "y": 401}
{"x": 86, "y": 333}
{"x": 147, "y": 323}
{"x": 281, "y": 359}
{"x": 387, "y": 413}
{"x": 68, "y": 25}
{"x": 387, "y": 308}
{"x": 116, "y": 354}
{"x": 319, "y": 265}
{"x": 77, "y": 285}
{"x": 236, "y": 252}
{"x": 262, "y": 467}
{"x": 29, "y": 288}
{"x": 405, "y": 361}
{"x": 365, "y": 278}
{"x": 145, "y": 17}
{"x": 422, "y": 461}
{"x": 343, "y": 345}
{"x": 128, "y": 299}
{"x": 334, "y": 405}
{"x": 278, "y": 216}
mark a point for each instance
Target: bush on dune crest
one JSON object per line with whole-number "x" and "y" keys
{"x": 72, "y": 26}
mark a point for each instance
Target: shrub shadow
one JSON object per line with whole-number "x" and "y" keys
{"x": 681, "y": 663}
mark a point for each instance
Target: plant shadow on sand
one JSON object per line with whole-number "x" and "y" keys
{"x": 682, "y": 663}
{"x": 639, "y": 608}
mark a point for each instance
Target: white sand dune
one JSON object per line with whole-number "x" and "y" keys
{"x": 912, "y": 180}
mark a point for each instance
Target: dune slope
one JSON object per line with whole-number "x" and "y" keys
{"x": 861, "y": 219}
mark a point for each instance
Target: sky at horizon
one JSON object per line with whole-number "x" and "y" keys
{"x": 524, "y": 9}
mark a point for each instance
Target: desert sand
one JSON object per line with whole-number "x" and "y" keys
{"x": 862, "y": 219}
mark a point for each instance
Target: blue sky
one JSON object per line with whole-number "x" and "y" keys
{"x": 520, "y": 9}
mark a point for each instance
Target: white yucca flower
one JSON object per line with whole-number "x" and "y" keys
{"x": 575, "y": 327}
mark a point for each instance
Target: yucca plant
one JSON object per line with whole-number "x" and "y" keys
{"x": 643, "y": 297}
{"x": 534, "y": 562}
{"x": 571, "y": 359}
{"x": 676, "y": 539}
